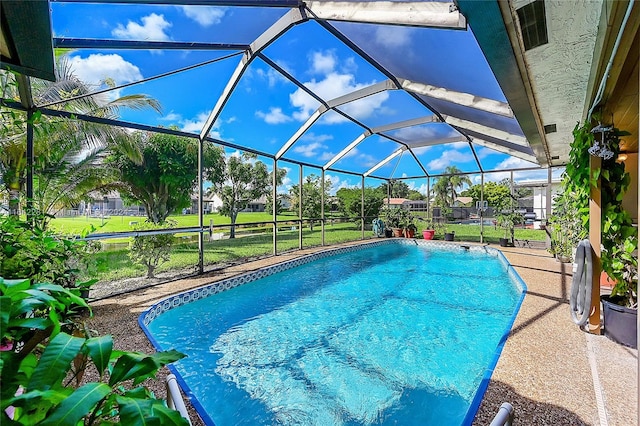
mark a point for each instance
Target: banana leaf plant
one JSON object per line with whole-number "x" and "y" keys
{"x": 45, "y": 353}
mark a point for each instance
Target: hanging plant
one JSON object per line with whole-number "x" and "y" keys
{"x": 619, "y": 237}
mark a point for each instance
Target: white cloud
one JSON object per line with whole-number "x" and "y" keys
{"x": 323, "y": 62}
{"x": 337, "y": 80}
{"x": 458, "y": 145}
{"x": 287, "y": 182}
{"x": 272, "y": 76}
{"x": 518, "y": 176}
{"x": 316, "y": 138}
{"x": 153, "y": 28}
{"x": 196, "y": 124}
{"x": 203, "y": 15}
{"x": 362, "y": 158}
{"x": 172, "y": 116}
{"x": 484, "y": 152}
{"x": 274, "y": 116}
{"x": 514, "y": 163}
{"x": 96, "y": 68}
{"x": 422, "y": 188}
{"x": 314, "y": 150}
{"x": 447, "y": 158}
{"x": 426, "y": 133}
{"x": 313, "y": 146}
{"x": 333, "y": 86}
{"x": 393, "y": 36}
{"x": 338, "y": 183}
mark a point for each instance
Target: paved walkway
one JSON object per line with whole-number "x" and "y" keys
{"x": 550, "y": 371}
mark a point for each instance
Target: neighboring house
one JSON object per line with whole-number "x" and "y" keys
{"x": 210, "y": 204}
{"x": 405, "y": 203}
{"x": 463, "y": 202}
{"x": 110, "y": 204}
{"x": 285, "y": 201}
{"x": 539, "y": 202}
{"x": 257, "y": 205}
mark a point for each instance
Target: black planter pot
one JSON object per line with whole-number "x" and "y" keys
{"x": 388, "y": 233}
{"x": 504, "y": 242}
{"x": 620, "y": 323}
{"x": 448, "y": 236}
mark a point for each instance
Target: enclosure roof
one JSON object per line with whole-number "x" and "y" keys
{"x": 386, "y": 89}
{"x": 25, "y": 39}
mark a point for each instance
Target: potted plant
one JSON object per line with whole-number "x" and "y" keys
{"x": 507, "y": 220}
{"x": 619, "y": 248}
{"x": 395, "y": 219}
{"x": 409, "y": 225}
{"x": 429, "y": 231}
{"x": 619, "y": 256}
{"x": 449, "y": 236}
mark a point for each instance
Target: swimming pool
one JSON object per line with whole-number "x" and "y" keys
{"x": 394, "y": 332}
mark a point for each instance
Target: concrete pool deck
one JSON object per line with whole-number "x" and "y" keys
{"x": 552, "y": 372}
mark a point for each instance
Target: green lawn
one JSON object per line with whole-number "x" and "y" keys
{"x": 492, "y": 235}
{"x": 112, "y": 261}
{"x": 77, "y": 225}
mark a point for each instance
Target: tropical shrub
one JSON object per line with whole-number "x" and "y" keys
{"x": 42, "y": 365}
{"x": 151, "y": 251}
{"x": 566, "y": 226}
{"x": 28, "y": 251}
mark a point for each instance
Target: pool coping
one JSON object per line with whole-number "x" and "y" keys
{"x": 206, "y": 290}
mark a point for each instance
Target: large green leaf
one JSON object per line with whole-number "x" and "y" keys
{"x": 168, "y": 416}
{"x": 5, "y": 308}
{"x": 167, "y": 357}
{"x": 55, "y": 361}
{"x": 9, "y": 287}
{"x": 100, "y": 351}
{"x": 131, "y": 366}
{"x": 134, "y": 411}
{"x": 78, "y": 404}
{"x": 40, "y": 295}
{"x": 34, "y": 406}
{"x": 137, "y": 366}
{"x": 38, "y": 323}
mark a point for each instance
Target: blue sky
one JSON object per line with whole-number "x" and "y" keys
{"x": 266, "y": 109}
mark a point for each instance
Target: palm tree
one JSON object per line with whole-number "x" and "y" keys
{"x": 446, "y": 187}
{"x": 68, "y": 151}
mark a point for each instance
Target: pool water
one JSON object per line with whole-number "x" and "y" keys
{"x": 396, "y": 334}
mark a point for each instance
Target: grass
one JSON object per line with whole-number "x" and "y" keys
{"x": 471, "y": 233}
{"x": 113, "y": 263}
{"x": 79, "y": 224}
